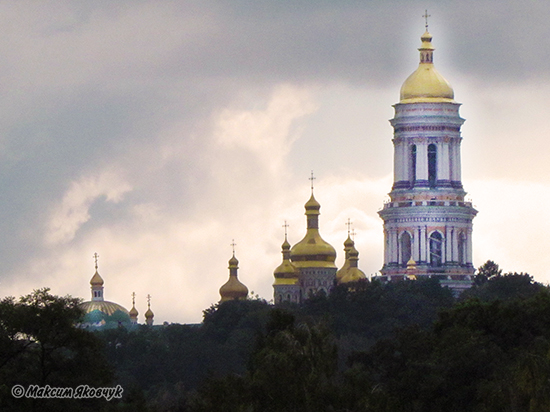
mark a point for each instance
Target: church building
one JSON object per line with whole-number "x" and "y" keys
{"x": 427, "y": 222}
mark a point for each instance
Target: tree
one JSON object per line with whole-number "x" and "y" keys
{"x": 40, "y": 345}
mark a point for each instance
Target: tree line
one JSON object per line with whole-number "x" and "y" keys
{"x": 374, "y": 347}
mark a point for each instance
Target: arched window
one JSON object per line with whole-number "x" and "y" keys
{"x": 436, "y": 248}
{"x": 432, "y": 164}
{"x": 462, "y": 249}
{"x": 405, "y": 246}
{"x": 413, "y": 165}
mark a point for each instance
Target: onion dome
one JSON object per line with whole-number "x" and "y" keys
{"x": 312, "y": 250}
{"x": 96, "y": 280}
{"x": 286, "y": 273}
{"x": 149, "y": 315}
{"x": 133, "y": 312}
{"x": 425, "y": 84}
{"x": 348, "y": 244}
{"x": 353, "y": 274}
{"x": 233, "y": 289}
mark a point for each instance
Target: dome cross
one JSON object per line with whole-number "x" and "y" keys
{"x": 426, "y": 15}
{"x": 96, "y": 257}
{"x": 312, "y": 178}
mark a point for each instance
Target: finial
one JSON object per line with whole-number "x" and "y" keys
{"x": 426, "y": 15}
{"x": 95, "y": 256}
{"x": 312, "y": 178}
{"x": 285, "y": 226}
{"x": 353, "y": 235}
{"x": 133, "y": 298}
{"x": 233, "y": 244}
{"x": 349, "y": 225}
{"x": 148, "y": 301}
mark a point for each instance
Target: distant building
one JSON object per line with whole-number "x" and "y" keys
{"x": 233, "y": 289}
{"x": 427, "y": 222}
{"x": 98, "y": 311}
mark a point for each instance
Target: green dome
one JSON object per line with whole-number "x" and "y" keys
{"x": 104, "y": 313}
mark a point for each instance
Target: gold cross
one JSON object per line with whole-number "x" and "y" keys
{"x": 285, "y": 226}
{"x": 148, "y": 301}
{"x": 133, "y": 298}
{"x": 95, "y": 256}
{"x": 349, "y": 225}
{"x": 233, "y": 244}
{"x": 312, "y": 178}
{"x": 426, "y": 15}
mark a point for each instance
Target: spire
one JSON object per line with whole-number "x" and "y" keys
{"x": 286, "y": 272}
{"x": 353, "y": 274}
{"x": 133, "y": 312}
{"x": 149, "y": 315}
{"x": 96, "y": 282}
{"x": 348, "y": 245}
{"x": 233, "y": 289}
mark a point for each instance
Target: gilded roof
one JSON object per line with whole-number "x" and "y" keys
{"x": 103, "y": 306}
{"x": 425, "y": 84}
{"x": 313, "y": 250}
{"x": 96, "y": 279}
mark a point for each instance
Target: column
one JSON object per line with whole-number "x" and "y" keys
{"x": 393, "y": 250}
{"x": 454, "y": 257}
{"x": 468, "y": 246}
{"x": 416, "y": 244}
{"x": 443, "y": 161}
{"x": 422, "y": 164}
{"x": 448, "y": 244}
{"x": 423, "y": 245}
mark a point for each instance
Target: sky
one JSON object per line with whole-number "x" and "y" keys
{"x": 156, "y": 132}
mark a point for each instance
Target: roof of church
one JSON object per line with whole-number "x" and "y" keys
{"x": 313, "y": 250}
{"x": 425, "y": 84}
{"x": 233, "y": 288}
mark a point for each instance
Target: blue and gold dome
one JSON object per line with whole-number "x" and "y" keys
{"x": 99, "y": 312}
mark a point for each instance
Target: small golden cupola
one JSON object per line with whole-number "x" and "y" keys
{"x": 425, "y": 84}
{"x": 96, "y": 283}
{"x": 233, "y": 289}
{"x": 286, "y": 273}
{"x": 348, "y": 244}
{"x": 149, "y": 315}
{"x": 353, "y": 274}
{"x": 133, "y": 312}
{"x": 312, "y": 250}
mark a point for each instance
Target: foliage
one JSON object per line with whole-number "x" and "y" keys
{"x": 490, "y": 284}
{"x": 40, "y": 345}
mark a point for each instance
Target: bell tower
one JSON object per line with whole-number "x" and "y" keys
{"x": 427, "y": 222}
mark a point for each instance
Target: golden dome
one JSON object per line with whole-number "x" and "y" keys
{"x": 133, "y": 312}
{"x": 353, "y": 273}
{"x": 233, "y": 289}
{"x": 286, "y": 272}
{"x": 96, "y": 279}
{"x": 425, "y": 84}
{"x": 348, "y": 244}
{"x": 149, "y": 314}
{"x": 312, "y": 250}
{"x": 103, "y": 306}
